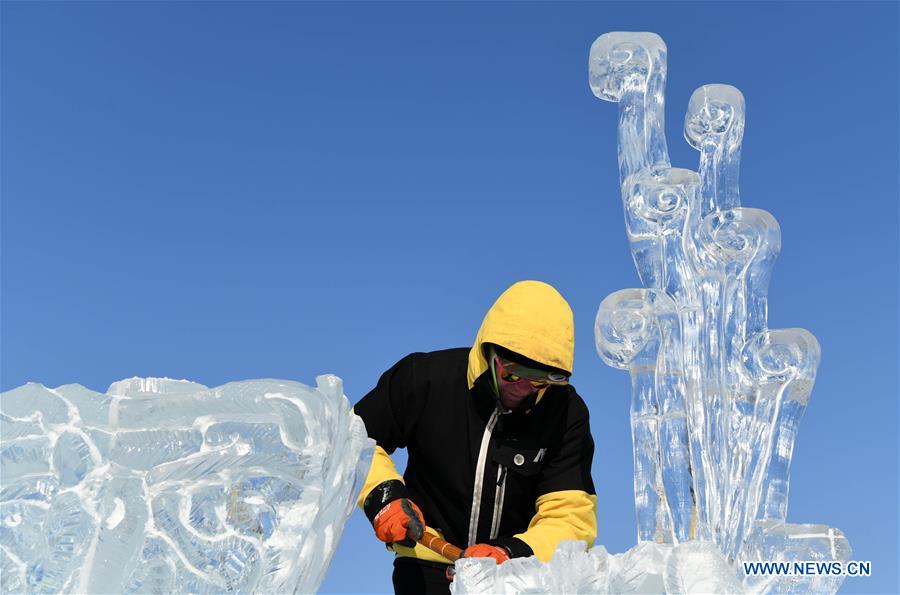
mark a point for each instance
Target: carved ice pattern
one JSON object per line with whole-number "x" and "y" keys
{"x": 163, "y": 486}
{"x": 716, "y": 395}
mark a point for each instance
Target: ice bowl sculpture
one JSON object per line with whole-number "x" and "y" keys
{"x": 165, "y": 486}
{"x": 717, "y": 396}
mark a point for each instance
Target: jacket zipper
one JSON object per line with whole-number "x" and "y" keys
{"x": 479, "y": 476}
{"x": 498, "y": 501}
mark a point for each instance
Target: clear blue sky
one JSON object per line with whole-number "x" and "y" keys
{"x": 221, "y": 191}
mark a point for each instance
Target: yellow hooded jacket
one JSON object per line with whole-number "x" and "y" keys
{"x": 440, "y": 406}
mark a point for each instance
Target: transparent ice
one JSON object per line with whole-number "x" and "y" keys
{"x": 717, "y": 396}
{"x": 164, "y": 486}
{"x": 690, "y": 567}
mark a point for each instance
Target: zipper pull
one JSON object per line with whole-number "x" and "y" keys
{"x": 502, "y": 475}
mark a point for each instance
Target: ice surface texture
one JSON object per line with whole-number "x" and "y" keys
{"x": 165, "y": 486}
{"x": 690, "y": 567}
{"x": 717, "y": 396}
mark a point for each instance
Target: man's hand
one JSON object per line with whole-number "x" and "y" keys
{"x": 400, "y": 521}
{"x": 483, "y": 550}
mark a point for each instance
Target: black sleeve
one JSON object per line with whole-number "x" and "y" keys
{"x": 568, "y": 465}
{"x": 391, "y": 409}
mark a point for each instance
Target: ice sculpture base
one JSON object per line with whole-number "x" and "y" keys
{"x": 689, "y": 567}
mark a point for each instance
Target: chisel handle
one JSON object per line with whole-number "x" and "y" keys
{"x": 429, "y": 540}
{"x": 438, "y": 545}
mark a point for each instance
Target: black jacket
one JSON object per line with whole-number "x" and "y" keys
{"x": 480, "y": 476}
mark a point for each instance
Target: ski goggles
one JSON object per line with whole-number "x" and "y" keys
{"x": 512, "y": 372}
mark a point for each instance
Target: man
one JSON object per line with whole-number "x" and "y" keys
{"x": 499, "y": 443}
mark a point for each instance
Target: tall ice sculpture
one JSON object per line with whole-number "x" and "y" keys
{"x": 717, "y": 396}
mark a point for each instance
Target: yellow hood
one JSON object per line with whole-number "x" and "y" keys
{"x": 532, "y": 319}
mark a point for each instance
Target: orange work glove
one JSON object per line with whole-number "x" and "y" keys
{"x": 483, "y": 550}
{"x": 400, "y": 521}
